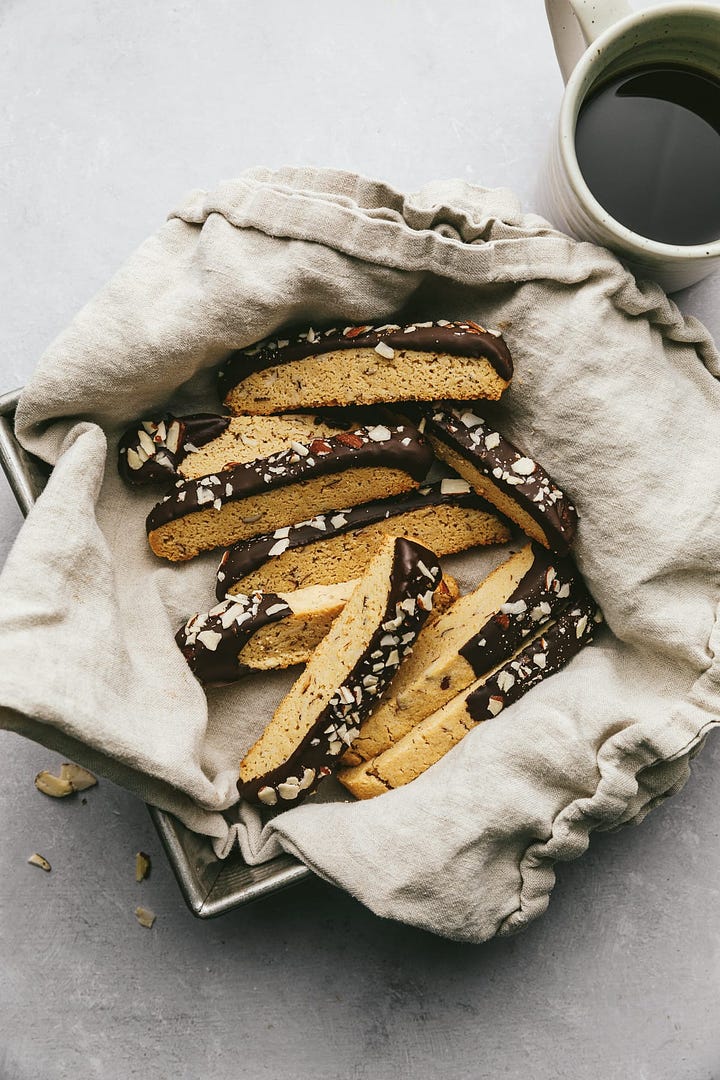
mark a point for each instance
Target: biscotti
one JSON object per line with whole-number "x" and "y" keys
{"x": 548, "y": 651}
{"x": 479, "y": 631}
{"x": 446, "y": 516}
{"x": 153, "y": 449}
{"x": 266, "y": 631}
{"x": 274, "y": 492}
{"x": 365, "y": 365}
{"x": 166, "y": 447}
{"x": 259, "y": 632}
{"x": 346, "y": 675}
{"x": 518, "y": 486}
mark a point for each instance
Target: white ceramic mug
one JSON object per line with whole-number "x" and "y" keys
{"x": 600, "y": 39}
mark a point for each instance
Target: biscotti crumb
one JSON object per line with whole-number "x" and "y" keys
{"x": 40, "y": 861}
{"x": 145, "y": 917}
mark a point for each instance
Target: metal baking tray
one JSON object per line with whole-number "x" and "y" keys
{"x": 210, "y": 886}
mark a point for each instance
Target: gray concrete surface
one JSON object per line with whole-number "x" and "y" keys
{"x": 109, "y": 113}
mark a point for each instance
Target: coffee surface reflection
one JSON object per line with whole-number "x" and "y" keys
{"x": 648, "y": 146}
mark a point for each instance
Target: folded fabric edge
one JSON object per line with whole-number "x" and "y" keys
{"x": 569, "y": 839}
{"x": 409, "y": 237}
{"x": 355, "y": 190}
{"x": 621, "y": 760}
{"x": 153, "y": 792}
{"x": 571, "y": 831}
{"x": 683, "y": 770}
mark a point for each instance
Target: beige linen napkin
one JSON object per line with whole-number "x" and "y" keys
{"x": 615, "y": 392}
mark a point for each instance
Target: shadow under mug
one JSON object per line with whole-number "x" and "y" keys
{"x": 597, "y": 40}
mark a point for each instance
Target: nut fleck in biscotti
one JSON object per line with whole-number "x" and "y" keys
{"x": 431, "y": 739}
{"x": 293, "y": 485}
{"x": 446, "y": 517}
{"x": 346, "y": 675}
{"x": 518, "y": 486}
{"x": 265, "y": 631}
{"x": 165, "y": 447}
{"x": 366, "y": 365}
{"x": 479, "y": 631}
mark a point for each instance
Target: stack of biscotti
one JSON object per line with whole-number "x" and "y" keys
{"x": 431, "y": 738}
{"x": 308, "y": 485}
{"x": 348, "y": 672}
{"x": 447, "y": 516}
{"x": 266, "y": 630}
{"x": 237, "y": 477}
{"x": 523, "y": 623}
{"x": 298, "y": 469}
{"x": 295, "y": 458}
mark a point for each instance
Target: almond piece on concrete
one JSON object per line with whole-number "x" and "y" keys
{"x": 144, "y": 917}
{"x": 142, "y": 866}
{"x": 55, "y": 786}
{"x": 38, "y": 860}
{"x": 78, "y": 778}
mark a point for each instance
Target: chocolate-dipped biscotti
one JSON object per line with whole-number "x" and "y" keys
{"x": 259, "y": 632}
{"x": 429, "y": 740}
{"x": 365, "y": 365}
{"x": 479, "y": 631}
{"x": 155, "y": 448}
{"x": 346, "y": 675}
{"x": 167, "y": 447}
{"x": 518, "y": 486}
{"x": 274, "y": 492}
{"x": 446, "y": 516}
{"x": 265, "y": 631}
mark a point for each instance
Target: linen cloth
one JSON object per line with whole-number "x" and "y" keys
{"x": 615, "y": 392}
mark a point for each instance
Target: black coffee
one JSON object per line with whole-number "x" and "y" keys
{"x": 648, "y": 145}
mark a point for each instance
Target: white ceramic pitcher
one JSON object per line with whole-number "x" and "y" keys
{"x": 600, "y": 39}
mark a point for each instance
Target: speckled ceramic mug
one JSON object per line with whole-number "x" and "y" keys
{"x": 595, "y": 41}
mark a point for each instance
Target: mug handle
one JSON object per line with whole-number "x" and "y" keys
{"x": 574, "y": 24}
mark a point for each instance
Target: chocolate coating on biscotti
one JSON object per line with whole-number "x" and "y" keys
{"x": 246, "y": 556}
{"x": 543, "y": 656}
{"x": 414, "y": 576}
{"x": 460, "y": 338}
{"x": 394, "y": 448}
{"x": 212, "y": 642}
{"x": 521, "y": 479}
{"x": 540, "y": 594}
{"x": 152, "y": 449}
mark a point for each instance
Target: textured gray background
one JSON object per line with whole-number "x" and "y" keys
{"x": 109, "y": 113}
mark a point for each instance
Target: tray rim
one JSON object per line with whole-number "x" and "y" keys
{"x": 201, "y": 902}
